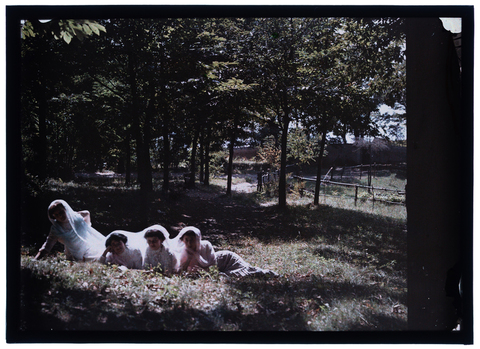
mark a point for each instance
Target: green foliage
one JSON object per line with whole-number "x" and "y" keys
{"x": 218, "y": 163}
{"x": 143, "y": 91}
{"x": 303, "y": 147}
{"x": 269, "y": 153}
{"x": 65, "y": 29}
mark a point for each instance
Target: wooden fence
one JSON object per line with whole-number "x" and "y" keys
{"x": 266, "y": 178}
{"x": 370, "y": 170}
{"x": 370, "y": 188}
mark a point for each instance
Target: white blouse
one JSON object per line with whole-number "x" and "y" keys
{"x": 130, "y": 258}
{"x": 162, "y": 258}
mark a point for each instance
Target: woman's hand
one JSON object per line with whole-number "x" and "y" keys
{"x": 108, "y": 249}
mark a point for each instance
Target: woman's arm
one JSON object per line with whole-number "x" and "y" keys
{"x": 103, "y": 257}
{"x": 206, "y": 257}
{"x": 138, "y": 260}
{"x": 86, "y": 216}
{"x": 47, "y": 246}
{"x": 40, "y": 254}
{"x": 147, "y": 263}
{"x": 170, "y": 268}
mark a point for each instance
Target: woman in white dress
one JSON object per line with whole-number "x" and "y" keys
{"x": 195, "y": 253}
{"x": 120, "y": 253}
{"x": 158, "y": 255}
{"x": 74, "y": 230}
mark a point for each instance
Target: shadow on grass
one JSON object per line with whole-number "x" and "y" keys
{"x": 279, "y": 305}
{"x": 315, "y": 295}
{"x": 49, "y": 309}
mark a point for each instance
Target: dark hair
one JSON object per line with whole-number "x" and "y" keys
{"x": 54, "y": 207}
{"x": 116, "y": 237}
{"x": 154, "y": 233}
{"x": 189, "y": 233}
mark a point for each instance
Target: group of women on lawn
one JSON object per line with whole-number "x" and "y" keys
{"x": 149, "y": 249}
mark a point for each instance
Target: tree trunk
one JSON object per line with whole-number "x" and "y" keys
{"x": 319, "y": 166}
{"x": 202, "y": 157}
{"x": 282, "y": 183}
{"x": 135, "y": 119}
{"x": 42, "y": 132}
{"x": 40, "y": 94}
{"x": 207, "y": 157}
{"x": 147, "y": 137}
{"x": 141, "y": 135}
{"x": 192, "y": 160}
{"x": 166, "y": 154}
{"x": 128, "y": 164}
{"x": 230, "y": 154}
{"x": 147, "y": 184}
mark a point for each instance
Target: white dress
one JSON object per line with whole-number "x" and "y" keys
{"x": 229, "y": 263}
{"x": 136, "y": 240}
{"x": 188, "y": 260}
{"x": 81, "y": 241}
{"x": 162, "y": 258}
{"x": 130, "y": 258}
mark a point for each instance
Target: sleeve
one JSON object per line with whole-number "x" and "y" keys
{"x": 173, "y": 262}
{"x": 207, "y": 257}
{"x": 50, "y": 242}
{"x": 147, "y": 261}
{"x": 103, "y": 259}
{"x": 86, "y": 217}
{"x": 138, "y": 260}
{"x": 106, "y": 260}
{"x": 170, "y": 262}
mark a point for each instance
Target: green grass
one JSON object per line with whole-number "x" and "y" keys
{"x": 342, "y": 267}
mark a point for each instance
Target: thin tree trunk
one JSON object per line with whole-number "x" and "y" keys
{"x": 128, "y": 164}
{"x": 319, "y": 167}
{"x": 136, "y": 120}
{"x": 147, "y": 164}
{"x": 207, "y": 156}
{"x": 192, "y": 160}
{"x": 282, "y": 183}
{"x": 202, "y": 157}
{"x": 42, "y": 132}
{"x": 230, "y": 154}
{"x": 166, "y": 155}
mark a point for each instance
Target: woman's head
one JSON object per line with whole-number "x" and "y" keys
{"x": 116, "y": 242}
{"x": 191, "y": 237}
{"x": 190, "y": 240}
{"x": 57, "y": 212}
{"x": 155, "y": 238}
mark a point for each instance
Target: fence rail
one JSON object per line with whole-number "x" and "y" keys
{"x": 265, "y": 179}
{"x": 370, "y": 188}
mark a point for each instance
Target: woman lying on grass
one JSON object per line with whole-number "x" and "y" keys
{"x": 195, "y": 253}
{"x": 118, "y": 252}
{"x": 151, "y": 244}
{"x": 158, "y": 255}
{"x": 74, "y": 230}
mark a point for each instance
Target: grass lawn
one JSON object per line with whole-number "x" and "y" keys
{"x": 342, "y": 267}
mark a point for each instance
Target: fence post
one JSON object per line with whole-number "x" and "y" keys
{"x": 356, "y": 194}
{"x": 373, "y": 198}
{"x": 369, "y": 180}
{"x": 259, "y": 181}
{"x": 300, "y": 186}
